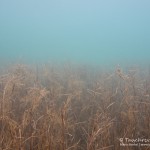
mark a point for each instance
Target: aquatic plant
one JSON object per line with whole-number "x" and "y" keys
{"x": 75, "y": 109}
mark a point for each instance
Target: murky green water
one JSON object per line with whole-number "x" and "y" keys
{"x": 83, "y": 31}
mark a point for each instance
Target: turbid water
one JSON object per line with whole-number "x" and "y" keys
{"x": 83, "y": 31}
{"x": 80, "y": 80}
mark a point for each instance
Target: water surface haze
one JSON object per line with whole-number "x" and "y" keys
{"x": 83, "y": 31}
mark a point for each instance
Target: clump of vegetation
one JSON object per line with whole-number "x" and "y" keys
{"x": 72, "y": 108}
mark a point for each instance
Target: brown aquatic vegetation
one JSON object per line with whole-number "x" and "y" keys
{"x": 73, "y": 108}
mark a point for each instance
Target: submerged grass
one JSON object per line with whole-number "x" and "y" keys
{"x": 73, "y": 108}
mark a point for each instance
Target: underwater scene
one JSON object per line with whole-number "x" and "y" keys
{"x": 75, "y": 75}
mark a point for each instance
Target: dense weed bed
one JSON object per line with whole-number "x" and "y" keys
{"x": 73, "y": 108}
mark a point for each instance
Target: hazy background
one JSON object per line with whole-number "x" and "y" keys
{"x": 84, "y": 31}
